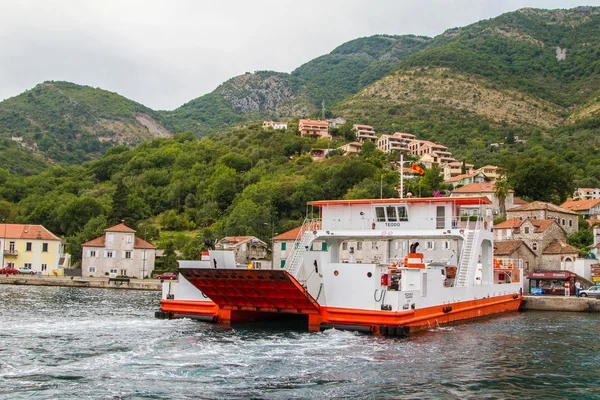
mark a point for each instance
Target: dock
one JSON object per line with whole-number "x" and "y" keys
{"x": 132, "y": 284}
{"x": 561, "y": 303}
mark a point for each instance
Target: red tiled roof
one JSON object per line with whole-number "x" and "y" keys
{"x": 509, "y": 224}
{"x": 580, "y": 204}
{"x": 22, "y": 231}
{"x": 506, "y": 247}
{"x": 289, "y": 235}
{"x": 541, "y": 205}
{"x": 560, "y": 247}
{"x": 540, "y": 225}
{"x": 120, "y": 228}
{"x": 463, "y": 176}
{"x": 482, "y": 187}
{"x": 517, "y": 200}
{"x": 235, "y": 239}
{"x": 101, "y": 241}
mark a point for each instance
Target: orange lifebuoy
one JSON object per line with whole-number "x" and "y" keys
{"x": 462, "y": 231}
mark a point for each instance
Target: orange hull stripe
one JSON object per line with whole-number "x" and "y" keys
{"x": 190, "y": 307}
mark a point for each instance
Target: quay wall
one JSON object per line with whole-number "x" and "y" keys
{"x": 560, "y": 303}
{"x": 134, "y": 284}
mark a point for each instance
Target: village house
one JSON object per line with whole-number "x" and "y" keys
{"x": 275, "y": 125}
{"x": 119, "y": 252}
{"x": 364, "y": 133}
{"x": 493, "y": 173}
{"x": 559, "y": 256}
{"x": 465, "y": 179}
{"x": 568, "y": 220}
{"x": 509, "y": 252}
{"x": 487, "y": 189}
{"x": 399, "y": 141}
{"x": 351, "y": 148}
{"x": 246, "y": 250}
{"x": 455, "y": 168}
{"x": 281, "y": 246}
{"x": 309, "y": 127}
{"x": 586, "y": 194}
{"x": 32, "y": 247}
{"x": 588, "y": 209}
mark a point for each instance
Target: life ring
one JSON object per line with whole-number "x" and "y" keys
{"x": 462, "y": 231}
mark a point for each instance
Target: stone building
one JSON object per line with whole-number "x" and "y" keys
{"x": 516, "y": 250}
{"x": 246, "y": 249}
{"x": 559, "y": 256}
{"x": 568, "y": 220}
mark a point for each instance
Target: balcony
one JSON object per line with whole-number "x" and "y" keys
{"x": 11, "y": 253}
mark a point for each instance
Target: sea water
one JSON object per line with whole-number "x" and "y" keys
{"x": 79, "y": 343}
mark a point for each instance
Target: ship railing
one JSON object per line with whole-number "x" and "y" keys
{"x": 301, "y": 245}
{"x": 471, "y": 222}
{"x": 508, "y": 263}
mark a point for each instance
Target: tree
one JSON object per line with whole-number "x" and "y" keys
{"x": 541, "y": 179}
{"x": 501, "y": 191}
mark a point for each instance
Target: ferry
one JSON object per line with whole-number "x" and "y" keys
{"x": 434, "y": 266}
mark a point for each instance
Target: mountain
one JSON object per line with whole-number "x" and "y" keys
{"x": 267, "y": 94}
{"x": 73, "y": 123}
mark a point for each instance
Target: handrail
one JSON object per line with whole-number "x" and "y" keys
{"x": 296, "y": 256}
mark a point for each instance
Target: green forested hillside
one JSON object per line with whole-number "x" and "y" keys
{"x": 73, "y": 123}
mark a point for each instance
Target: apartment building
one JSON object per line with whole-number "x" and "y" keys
{"x": 309, "y": 127}
{"x": 364, "y": 133}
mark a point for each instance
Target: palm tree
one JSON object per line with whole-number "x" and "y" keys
{"x": 502, "y": 190}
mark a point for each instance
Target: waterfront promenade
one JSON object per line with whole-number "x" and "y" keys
{"x": 133, "y": 284}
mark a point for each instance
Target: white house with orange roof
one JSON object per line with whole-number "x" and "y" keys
{"x": 32, "y": 247}
{"x": 275, "y": 125}
{"x": 364, "y": 133}
{"x": 588, "y": 209}
{"x": 246, "y": 249}
{"x": 310, "y": 127}
{"x": 586, "y": 194}
{"x": 119, "y": 252}
{"x": 487, "y": 189}
{"x": 465, "y": 179}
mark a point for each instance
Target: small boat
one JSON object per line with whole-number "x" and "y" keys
{"x": 433, "y": 266}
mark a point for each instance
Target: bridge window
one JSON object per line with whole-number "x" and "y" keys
{"x": 391, "y": 213}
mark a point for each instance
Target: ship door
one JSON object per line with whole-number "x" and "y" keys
{"x": 440, "y": 221}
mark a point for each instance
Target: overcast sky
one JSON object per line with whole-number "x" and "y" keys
{"x": 165, "y": 53}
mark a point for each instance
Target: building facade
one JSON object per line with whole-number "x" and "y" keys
{"x": 309, "y": 127}
{"x": 246, "y": 250}
{"x": 568, "y": 220}
{"x": 32, "y": 247}
{"x": 118, "y": 253}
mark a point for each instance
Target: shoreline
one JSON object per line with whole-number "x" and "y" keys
{"x": 133, "y": 284}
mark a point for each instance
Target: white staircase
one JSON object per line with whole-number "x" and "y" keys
{"x": 301, "y": 246}
{"x": 465, "y": 269}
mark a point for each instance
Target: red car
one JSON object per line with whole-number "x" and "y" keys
{"x": 9, "y": 271}
{"x": 167, "y": 275}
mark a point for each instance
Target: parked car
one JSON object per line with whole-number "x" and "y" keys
{"x": 167, "y": 275}
{"x": 26, "y": 271}
{"x": 9, "y": 271}
{"x": 592, "y": 291}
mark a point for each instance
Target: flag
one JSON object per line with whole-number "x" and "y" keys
{"x": 417, "y": 169}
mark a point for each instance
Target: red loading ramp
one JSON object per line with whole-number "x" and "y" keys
{"x": 252, "y": 290}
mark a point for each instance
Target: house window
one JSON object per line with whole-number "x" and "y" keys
{"x": 44, "y": 267}
{"x": 91, "y": 269}
{"x": 358, "y": 245}
{"x": 109, "y": 254}
{"x": 345, "y": 246}
{"x": 446, "y": 244}
{"x": 526, "y": 230}
{"x": 283, "y": 246}
{"x": 374, "y": 246}
{"x": 429, "y": 245}
{"x": 92, "y": 253}
{"x": 27, "y": 265}
{"x": 110, "y": 237}
{"x": 570, "y": 223}
{"x": 127, "y": 254}
{"x": 28, "y": 246}
{"x": 282, "y": 263}
{"x": 45, "y": 247}
{"x": 123, "y": 272}
{"x": 113, "y": 270}
{"x": 534, "y": 246}
{"x": 563, "y": 221}
{"x": 128, "y": 238}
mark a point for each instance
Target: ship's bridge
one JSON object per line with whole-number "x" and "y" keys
{"x": 407, "y": 215}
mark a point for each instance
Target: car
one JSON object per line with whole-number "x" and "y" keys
{"x": 167, "y": 276}
{"x": 26, "y": 271}
{"x": 8, "y": 271}
{"x": 592, "y": 291}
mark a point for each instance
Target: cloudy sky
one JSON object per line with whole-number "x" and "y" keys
{"x": 165, "y": 53}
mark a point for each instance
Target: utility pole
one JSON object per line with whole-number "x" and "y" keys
{"x": 3, "y": 243}
{"x": 401, "y": 175}
{"x": 144, "y": 256}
